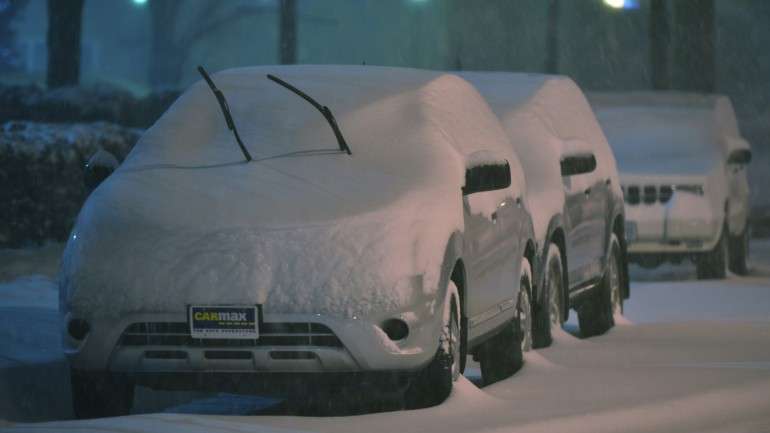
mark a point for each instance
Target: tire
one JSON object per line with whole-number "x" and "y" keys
{"x": 549, "y": 314}
{"x": 739, "y": 252}
{"x": 713, "y": 265}
{"x": 523, "y": 315}
{"x": 97, "y": 395}
{"x": 433, "y": 384}
{"x": 502, "y": 355}
{"x": 595, "y": 315}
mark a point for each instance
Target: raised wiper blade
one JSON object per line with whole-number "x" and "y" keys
{"x": 226, "y": 111}
{"x": 327, "y": 113}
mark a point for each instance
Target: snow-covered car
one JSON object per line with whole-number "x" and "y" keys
{"x": 574, "y": 195}
{"x": 683, "y": 167}
{"x": 386, "y": 234}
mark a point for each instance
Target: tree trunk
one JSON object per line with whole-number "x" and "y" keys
{"x": 694, "y": 45}
{"x": 552, "y": 37}
{"x": 287, "y": 42}
{"x": 64, "y": 29}
{"x": 660, "y": 41}
{"x": 166, "y": 58}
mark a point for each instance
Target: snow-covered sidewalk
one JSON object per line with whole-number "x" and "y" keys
{"x": 689, "y": 356}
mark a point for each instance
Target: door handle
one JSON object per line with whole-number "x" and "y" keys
{"x": 587, "y": 191}
{"x": 518, "y": 201}
{"x": 608, "y": 181}
{"x": 494, "y": 217}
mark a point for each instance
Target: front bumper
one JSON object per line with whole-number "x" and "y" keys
{"x": 673, "y": 228}
{"x": 289, "y": 343}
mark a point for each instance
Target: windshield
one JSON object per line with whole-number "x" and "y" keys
{"x": 385, "y": 216}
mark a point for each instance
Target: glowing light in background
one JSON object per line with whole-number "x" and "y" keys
{"x": 622, "y": 4}
{"x": 139, "y": 2}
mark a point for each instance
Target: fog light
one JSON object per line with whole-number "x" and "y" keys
{"x": 395, "y": 329}
{"x": 78, "y": 329}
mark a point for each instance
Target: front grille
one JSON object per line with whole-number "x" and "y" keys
{"x": 271, "y": 334}
{"x": 647, "y": 194}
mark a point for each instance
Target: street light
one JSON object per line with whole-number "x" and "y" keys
{"x": 622, "y": 4}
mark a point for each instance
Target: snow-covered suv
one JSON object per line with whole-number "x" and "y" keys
{"x": 386, "y": 234}
{"x": 683, "y": 167}
{"x": 574, "y": 194}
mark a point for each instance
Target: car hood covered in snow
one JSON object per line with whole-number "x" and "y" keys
{"x": 667, "y": 133}
{"x": 303, "y": 228}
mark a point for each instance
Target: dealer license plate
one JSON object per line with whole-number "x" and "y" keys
{"x": 218, "y": 321}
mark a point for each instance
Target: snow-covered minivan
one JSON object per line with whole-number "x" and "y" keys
{"x": 341, "y": 220}
{"x": 574, "y": 195}
{"x": 682, "y": 163}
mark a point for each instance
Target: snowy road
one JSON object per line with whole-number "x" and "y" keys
{"x": 690, "y": 357}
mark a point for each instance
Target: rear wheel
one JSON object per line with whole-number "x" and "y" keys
{"x": 595, "y": 315}
{"x": 550, "y": 313}
{"x": 713, "y": 265}
{"x": 502, "y": 355}
{"x": 97, "y": 395}
{"x": 739, "y": 252}
{"x": 434, "y": 383}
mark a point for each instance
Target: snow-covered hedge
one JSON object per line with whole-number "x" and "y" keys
{"x": 41, "y": 173}
{"x": 80, "y": 104}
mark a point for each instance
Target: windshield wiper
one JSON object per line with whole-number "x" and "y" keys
{"x": 226, "y": 111}
{"x": 327, "y": 113}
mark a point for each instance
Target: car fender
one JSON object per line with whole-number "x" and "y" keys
{"x": 538, "y": 268}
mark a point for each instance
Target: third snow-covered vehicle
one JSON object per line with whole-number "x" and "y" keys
{"x": 574, "y": 195}
{"x": 683, "y": 166}
{"x": 388, "y": 233}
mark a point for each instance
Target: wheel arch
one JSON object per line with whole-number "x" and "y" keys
{"x": 453, "y": 269}
{"x": 556, "y": 234}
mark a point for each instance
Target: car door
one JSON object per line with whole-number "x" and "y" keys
{"x": 586, "y": 198}
{"x": 493, "y": 222}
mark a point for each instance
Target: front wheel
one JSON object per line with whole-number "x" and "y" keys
{"x": 97, "y": 395}
{"x": 434, "y": 383}
{"x": 548, "y": 316}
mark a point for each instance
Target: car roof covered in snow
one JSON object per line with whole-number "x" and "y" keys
{"x": 684, "y": 130}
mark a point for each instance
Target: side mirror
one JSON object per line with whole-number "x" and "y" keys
{"x": 99, "y": 167}
{"x": 579, "y": 163}
{"x": 487, "y": 177}
{"x": 739, "y": 157}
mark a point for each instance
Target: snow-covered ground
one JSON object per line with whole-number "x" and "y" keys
{"x": 689, "y": 356}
